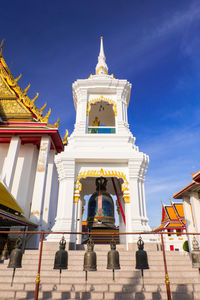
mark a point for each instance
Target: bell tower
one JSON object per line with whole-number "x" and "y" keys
{"x": 101, "y": 145}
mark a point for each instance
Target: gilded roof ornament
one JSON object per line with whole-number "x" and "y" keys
{"x": 57, "y": 122}
{"x": 1, "y": 52}
{"x": 46, "y": 118}
{"x": 27, "y": 88}
{"x": 65, "y": 141}
{"x": 42, "y": 108}
{"x": 34, "y": 99}
{"x": 18, "y": 78}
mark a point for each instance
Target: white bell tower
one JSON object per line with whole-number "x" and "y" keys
{"x": 101, "y": 145}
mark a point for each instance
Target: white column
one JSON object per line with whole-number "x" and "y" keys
{"x": 66, "y": 212}
{"x": 40, "y": 182}
{"x": 11, "y": 161}
{"x": 188, "y": 219}
{"x": 194, "y": 200}
{"x": 48, "y": 191}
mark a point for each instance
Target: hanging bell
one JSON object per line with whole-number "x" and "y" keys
{"x": 113, "y": 257}
{"x": 90, "y": 258}
{"x": 141, "y": 256}
{"x": 61, "y": 256}
{"x": 195, "y": 253}
{"x": 4, "y": 254}
{"x": 16, "y": 255}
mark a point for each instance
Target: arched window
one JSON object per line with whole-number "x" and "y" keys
{"x": 101, "y": 118}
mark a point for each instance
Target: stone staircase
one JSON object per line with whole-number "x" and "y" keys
{"x": 185, "y": 281}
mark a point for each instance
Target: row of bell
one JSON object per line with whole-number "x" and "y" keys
{"x": 61, "y": 256}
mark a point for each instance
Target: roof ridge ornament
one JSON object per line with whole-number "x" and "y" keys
{"x": 1, "y": 52}
{"x": 101, "y": 67}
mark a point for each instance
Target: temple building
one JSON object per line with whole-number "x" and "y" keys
{"x": 28, "y": 145}
{"x": 99, "y": 173}
{"x": 173, "y": 221}
{"x": 191, "y": 204}
{"x": 101, "y": 160}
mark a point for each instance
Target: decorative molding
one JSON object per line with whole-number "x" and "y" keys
{"x": 102, "y": 98}
{"x": 104, "y": 173}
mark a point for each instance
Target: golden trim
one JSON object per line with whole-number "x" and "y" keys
{"x": 102, "y": 68}
{"x": 102, "y": 98}
{"x": 65, "y": 139}
{"x": 98, "y": 173}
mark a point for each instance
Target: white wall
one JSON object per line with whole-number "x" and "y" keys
{"x": 22, "y": 187}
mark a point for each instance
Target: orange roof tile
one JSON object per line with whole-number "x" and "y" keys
{"x": 179, "y": 209}
{"x": 174, "y": 225}
{"x": 171, "y": 213}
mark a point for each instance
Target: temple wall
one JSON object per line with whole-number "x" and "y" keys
{"x": 22, "y": 187}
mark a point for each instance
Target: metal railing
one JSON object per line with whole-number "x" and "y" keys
{"x": 42, "y": 233}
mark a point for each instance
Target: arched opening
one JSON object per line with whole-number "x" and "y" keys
{"x": 101, "y": 211}
{"x": 101, "y": 118}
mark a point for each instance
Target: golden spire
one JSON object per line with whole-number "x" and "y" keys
{"x": 101, "y": 67}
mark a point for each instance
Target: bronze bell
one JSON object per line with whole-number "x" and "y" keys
{"x": 195, "y": 253}
{"x": 4, "y": 254}
{"x": 90, "y": 258}
{"x": 16, "y": 255}
{"x": 141, "y": 256}
{"x": 61, "y": 256}
{"x": 113, "y": 257}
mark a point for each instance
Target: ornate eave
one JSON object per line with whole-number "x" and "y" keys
{"x": 96, "y": 83}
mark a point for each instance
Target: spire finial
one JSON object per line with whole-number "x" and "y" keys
{"x": 101, "y": 67}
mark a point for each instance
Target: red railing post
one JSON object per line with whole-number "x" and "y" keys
{"x": 37, "y": 281}
{"x": 167, "y": 282}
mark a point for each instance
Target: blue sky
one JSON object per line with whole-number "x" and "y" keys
{"x": 153, "y": 44}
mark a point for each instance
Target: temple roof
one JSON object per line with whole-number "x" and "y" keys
{"x": 15, "y": 105}
{"x": 172, "y": 217}
{"x": 193, "y": 186}
{"x": 19, "y": 114}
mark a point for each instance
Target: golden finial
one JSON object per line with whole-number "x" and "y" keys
{"x": 18, "y": 78}
{"x": 57, "y": 122}
{"x": 34, "y": 99}
{"x": 65, "y": 141}
{"x": 42, "y": 108}
{"x": 27, "y": 88}
{"x": 46, "y": 118}
{"x": 1, "y": 52}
